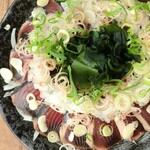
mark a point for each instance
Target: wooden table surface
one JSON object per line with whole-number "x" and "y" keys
{"x": 7, "y": 140}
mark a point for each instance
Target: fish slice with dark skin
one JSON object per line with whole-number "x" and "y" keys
{"x": 52, "y": 7}
{"x": 101, "y": 142}
{"x": 19, "y": 98}
{"x": 53, "y": 120}
{"x": 66, "y": 136}
{"x": 93, "y": 139}
{"x": 25, "y": 66}
{"x": 25, "y": 29}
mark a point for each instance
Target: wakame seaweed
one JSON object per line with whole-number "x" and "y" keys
{"x": 99, "y": 56}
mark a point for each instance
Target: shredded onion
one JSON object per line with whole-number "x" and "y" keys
{"x": 102, "y": 104}
{"x": 51, "y": 64}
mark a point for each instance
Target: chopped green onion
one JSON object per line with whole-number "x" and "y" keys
{"x": 79, "y": 101}
{"x": 79, "y": 130}
{"x": 53, "y": 136}
{"x": 121, "y": 7}
{"x": 39, "y": 20}
{"x": 42, "y": 3}
{"x": 74, "y": 90}
{"x": 112, "y": 13}
{"x": 132, "y": 86}
{"x": 89, "y": 137}
{"x": 115, "y": 88}
{"x": 142, "y": 94}
{"x": 107, "y": 130}
{"x": 52, "y": 20}
{"x": 57, "y": 55}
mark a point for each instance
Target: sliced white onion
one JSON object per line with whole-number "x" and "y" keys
{"x": 79, "y": 16}
{"x": 106, "y": 130}
{"x": 17, "y": 64}
{"x": 7, "y": 27}
{"x": 36, "y": 134}
{"x": 30, "y": 96}
{"x": 146, "y": 78}
{"x": 142, "y": 68}
{"x": 85, "y": 119}
{"x": 51, "y": 64}
{"x": 13, "y": 38}
{"x": 33, "y": 104}
{"x": 129, "y": 2}
{"x": 122, "y": 102}
{"x": 63, "y": 34}
{"x": 37, "y": 11}
{"x": 102, "y": 104}
{"x": 89, "y": 16}
{"x": 129, "y": 130}
{"x": 142, "y": 95}
{"x": 71, "y": 136}
{"x": 79, "y": 130}
{"x": 53, "y": 136}
{"x": 42, "y": 123}
{"x": 42, "y": 3}
{"x": 6, "y": 74}
{"x": 11, "y": 85}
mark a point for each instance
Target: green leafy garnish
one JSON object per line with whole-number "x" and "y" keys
{"x": 101, "y": 56}
{"x": 114, "y": 12}
{"x": 74, "y": 93}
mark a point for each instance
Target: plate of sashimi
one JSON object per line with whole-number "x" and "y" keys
{"x": 75, "y": 74}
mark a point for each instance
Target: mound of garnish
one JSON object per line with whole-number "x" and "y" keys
{"x": 81, "y": 72}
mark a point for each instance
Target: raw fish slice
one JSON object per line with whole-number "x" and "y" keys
{"x": 19, "y": 98}
{"x": 78, "y": 142}
{"x": 52, "y": 7}
{"x": 26, "y": 28}
{"x": 144, "y": 117}
{"x": 101, "y": 142}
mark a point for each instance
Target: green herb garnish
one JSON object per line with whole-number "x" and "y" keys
{"x": 101, "y": 56}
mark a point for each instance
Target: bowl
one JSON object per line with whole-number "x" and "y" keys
{"x": 18, "y": 12}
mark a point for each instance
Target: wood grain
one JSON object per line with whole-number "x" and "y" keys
{"x": 8, "y": 141}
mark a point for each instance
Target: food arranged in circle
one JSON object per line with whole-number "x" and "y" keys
{"x": 80, "y": 71}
